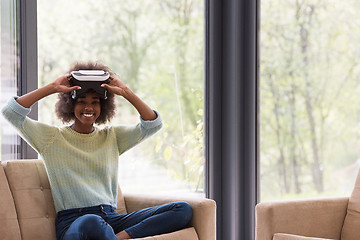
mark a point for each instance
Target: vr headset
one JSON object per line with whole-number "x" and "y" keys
{"x": 89, "y": 80}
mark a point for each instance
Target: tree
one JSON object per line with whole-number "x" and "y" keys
{"x": 308, "y": 76}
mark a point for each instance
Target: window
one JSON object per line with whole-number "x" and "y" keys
{"x": 156, "y": 48}
{"x": 9, "y": 72}
{"x": 309, "y": 98}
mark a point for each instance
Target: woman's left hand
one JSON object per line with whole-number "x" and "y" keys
{"x": 116, "y": 86}
{"x": 119, "y": 88}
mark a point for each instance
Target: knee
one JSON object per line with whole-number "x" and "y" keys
{"x": 186, "y": 213}
{"x": 90, "y": 226}
{"x": 91, "y": 222}
{"x": 95, "y": 227}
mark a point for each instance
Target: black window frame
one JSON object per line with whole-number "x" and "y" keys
{"x": 28, "y": 62}
{"x": 232, "y": 73}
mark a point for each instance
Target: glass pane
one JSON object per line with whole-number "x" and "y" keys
{"x": 310, "y": 138}
{"x": 156, "y": 48}
{"x": 9, "y": 72}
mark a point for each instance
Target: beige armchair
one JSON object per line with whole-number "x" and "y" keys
{"x": 312, "y": 219}
{"x": 27, "y": 210}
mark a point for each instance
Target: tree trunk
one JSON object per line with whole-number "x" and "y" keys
{"x": 281, "y": 161}
{"x": 293, "y": 139}
{"x": 316, "y": 169}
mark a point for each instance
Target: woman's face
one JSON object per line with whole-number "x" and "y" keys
{"x": 87, "y": 109}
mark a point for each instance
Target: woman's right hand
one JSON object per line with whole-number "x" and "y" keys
{"x": 62, "y": 84}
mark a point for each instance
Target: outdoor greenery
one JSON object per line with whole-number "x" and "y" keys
{"x": 309, "y": 133}
{"x": 309, "y": 71}
{"x": 156, "y": 48}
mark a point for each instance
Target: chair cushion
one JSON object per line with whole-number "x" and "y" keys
{"x": 350, "y": 230}
{"x": 185, "y": 234}
{"x": 121, "y": 207}
{"x": 9, "y": 226}
{"x": 284, "y": 236}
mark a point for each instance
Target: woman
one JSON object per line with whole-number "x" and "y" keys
{"x": 82, "y": 160}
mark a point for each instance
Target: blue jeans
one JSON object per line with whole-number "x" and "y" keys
{"x": 103, "y": 222}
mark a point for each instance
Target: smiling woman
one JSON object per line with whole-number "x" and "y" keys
{"x": 74, "y": 149}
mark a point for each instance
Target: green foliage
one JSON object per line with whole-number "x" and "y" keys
{"x": 309, "y": 90}
{"x": 156, "y": 48}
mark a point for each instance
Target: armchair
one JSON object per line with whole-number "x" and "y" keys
{"x": 27, "y": 209}
{"x": 312, "y": 219}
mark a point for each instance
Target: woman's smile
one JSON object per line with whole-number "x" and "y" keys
{"x": 88, "y": 115}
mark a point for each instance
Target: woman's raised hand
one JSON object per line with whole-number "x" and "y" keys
{"x": 116, "y": 86}
{"x": 119, "y": 88}
{"x": 62, "y": 84}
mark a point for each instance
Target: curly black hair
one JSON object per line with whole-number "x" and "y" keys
{"x": 64, "y": 107}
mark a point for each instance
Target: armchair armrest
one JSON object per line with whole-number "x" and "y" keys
{"x": 204, "y": 218}
{"x": 312, "y": 217}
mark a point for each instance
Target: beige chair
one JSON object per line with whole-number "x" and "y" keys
{"x": 312, "y": 219}
{"x": 27, "y": 210}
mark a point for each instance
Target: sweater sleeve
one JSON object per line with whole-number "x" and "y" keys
{"x": 37, "y": 135}
{"x": 129, "y": 136}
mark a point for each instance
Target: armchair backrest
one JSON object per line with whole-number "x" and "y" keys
{"x": 9, "y": 226}
{"x": 32, "y": 197}
{"x": 350, "y": 230}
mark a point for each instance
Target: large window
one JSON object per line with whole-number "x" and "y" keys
{"x": 156, "y": 48}
{"x": 310, "y": 135}
{"x": 9, "y": 73}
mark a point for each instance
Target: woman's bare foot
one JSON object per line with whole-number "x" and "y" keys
{"x": 123, "y": 235}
